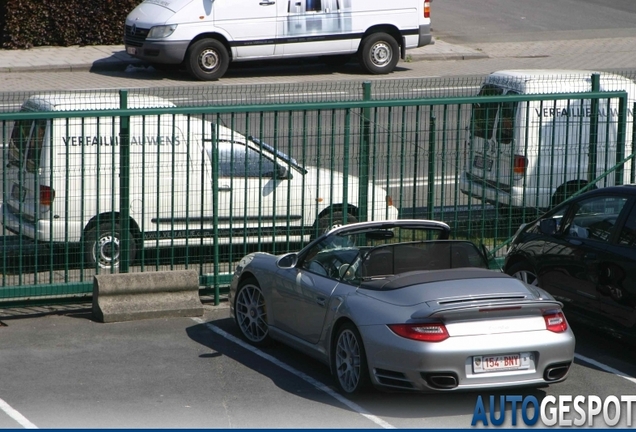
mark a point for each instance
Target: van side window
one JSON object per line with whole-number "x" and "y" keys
{"x": 19, "y": 140}
{"x": 237, "y": 160}
{"x": 484, "y": 114}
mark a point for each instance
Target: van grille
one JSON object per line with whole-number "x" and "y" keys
{"x": 135, "y": 36}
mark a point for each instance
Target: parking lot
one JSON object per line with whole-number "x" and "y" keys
{"x": 69, "y": 371}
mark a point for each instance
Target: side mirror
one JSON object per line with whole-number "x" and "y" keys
{"x": 287, "y": 261}
{"x": 548, "y": 226}
{"x": 282, "y": 173}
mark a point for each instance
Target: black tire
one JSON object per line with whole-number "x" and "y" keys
{"x": 207, "y": 60}
{"x": 101, "y": 246}
{"x": 327, "y": 222}
{"x": 349, "y": 361}
{"x": 379, "y": 53}
{"x": 524, "y": 272}
{"x": 250, "y": 313}
{"x": 566, "y": 190}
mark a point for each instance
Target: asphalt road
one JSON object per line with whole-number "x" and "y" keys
{"x": 68, "y": 371}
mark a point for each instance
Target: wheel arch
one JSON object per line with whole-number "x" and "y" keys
{"x": 562, "y": 192}
{"x": 112, "y": 217}
{"x": 389, "y": 29}
{"x": 212, "y": 35}
{"x": 351, "y": 209}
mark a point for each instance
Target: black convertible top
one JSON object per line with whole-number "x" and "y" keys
{"x": 404, "y": 280}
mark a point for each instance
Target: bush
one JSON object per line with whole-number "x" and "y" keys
{"x": 30, "y": 23}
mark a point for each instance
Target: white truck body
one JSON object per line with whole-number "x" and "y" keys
{"x": 173, "y": 31}
{"x": 535, "y": 155}
{"x": 62, "y": 182}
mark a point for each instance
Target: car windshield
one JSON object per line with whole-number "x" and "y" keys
{"x": 368, "y": 254}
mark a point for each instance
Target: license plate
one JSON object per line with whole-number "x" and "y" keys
{"x": 507, "y": 362}
{"x": 482, "y": 163}
{"x": 18, "y": 192}
{"x": 131, "y": 50}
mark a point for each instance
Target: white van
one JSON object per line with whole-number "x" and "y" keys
{"x": 206, "y": 35}
{"x": 61, "y": 183}
{"x": 534, "y": 155}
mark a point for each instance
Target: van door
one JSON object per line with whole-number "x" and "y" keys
{"x": 27, "y": 195}
{"x": 250, "y": 24}
{"x": 492, "y": 160}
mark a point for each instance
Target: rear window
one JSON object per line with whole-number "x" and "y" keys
{"x": 485, "y": 114}
{"x": 25, "y": 144}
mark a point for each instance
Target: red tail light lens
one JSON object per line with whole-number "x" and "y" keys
{"x": 555, "y": 322}
{"x": 520, "y": 164}
{"x": 47, "y": 195}
{"x": 427, "y": 9}
{"x": 430, "y": 332}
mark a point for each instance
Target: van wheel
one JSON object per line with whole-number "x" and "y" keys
{"x": 207, "y": 60}
{"x": 379, "y": 53}
{"x": 328, "y": 222}
{"x": 566, "y": 190}
{"x": 102, "y": 245}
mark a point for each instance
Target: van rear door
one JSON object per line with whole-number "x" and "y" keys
{"x": 27, "y": 195}
{"x": 491, "y": 160}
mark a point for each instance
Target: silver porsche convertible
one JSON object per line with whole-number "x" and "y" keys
{"x": 398, "y": 305}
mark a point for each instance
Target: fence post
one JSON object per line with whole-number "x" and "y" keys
{"x": 124, "y": 183}
{"x": 592, "y": 154}
{"x": 215, "y": 207}
{"x": 619, "y": 175}
{"x": 364, "y": 162}
{"x": 430, "y": 200}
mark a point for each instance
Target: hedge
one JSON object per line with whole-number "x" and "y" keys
{"x": 31, "y": 23}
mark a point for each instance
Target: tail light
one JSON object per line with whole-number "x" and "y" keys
{"x": 520, "y": 164}
{"x": 555, "y": 322}
{"x": 427, "y": 9}
{"x": 47, "y": 195}
{"x": 389, "y": 201}
{"x": 428, "y": 332}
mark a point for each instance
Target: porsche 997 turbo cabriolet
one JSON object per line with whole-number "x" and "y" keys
{"x": 398, "y": 305}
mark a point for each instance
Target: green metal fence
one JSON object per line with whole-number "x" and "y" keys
{"x": 129, "y": 182}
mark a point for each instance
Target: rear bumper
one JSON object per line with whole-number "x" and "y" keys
{"x": 426, "y": 38}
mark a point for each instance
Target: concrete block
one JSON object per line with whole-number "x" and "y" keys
{"x": 136, "y": 296}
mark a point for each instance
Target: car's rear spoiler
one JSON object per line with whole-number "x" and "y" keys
{"x": 495, "y": 309}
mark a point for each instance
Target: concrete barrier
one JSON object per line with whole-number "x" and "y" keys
{"x": 135, "y": 296}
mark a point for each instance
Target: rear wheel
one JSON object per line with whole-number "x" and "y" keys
{"x": 102, "y": 245}
{"x": 328, "y": 221}
{"x": 207, "y": 60}
{"x": 524, "y": 272}
{"x": 349, "y": 360}
{"x": 379, "y": 53}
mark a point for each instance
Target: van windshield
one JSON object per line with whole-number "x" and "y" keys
{"x": 25, "y": 144}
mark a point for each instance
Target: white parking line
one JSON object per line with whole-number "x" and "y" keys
{"x": 320, "y": 386}
{"x": 16, "y": 415}
{"x": 605, "y": 367}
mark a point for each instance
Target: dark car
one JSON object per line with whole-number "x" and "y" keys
{"x": 583, "y": 252}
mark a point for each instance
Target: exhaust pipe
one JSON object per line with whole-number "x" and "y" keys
{"x": 556, "y": 372}
{"x": 443, "y": 381}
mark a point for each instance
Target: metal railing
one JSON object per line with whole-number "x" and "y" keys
{"x": 145, "y": 185}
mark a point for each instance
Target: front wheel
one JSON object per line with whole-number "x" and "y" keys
{"x": 379, "y": 53}
{"x": 524, "y": 272}
{"x": 349, "y": 360}
{"x": 207, "y": 60}
{"x": 102, "y": 245}
{"x": 251, "y": 313}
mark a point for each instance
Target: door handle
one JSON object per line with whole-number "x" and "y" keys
{"x": 321, "y": 301}
{"x": 267, "y": 3}
{"x": 224, "y": 188}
